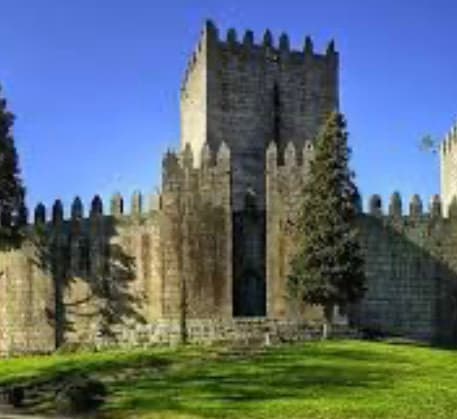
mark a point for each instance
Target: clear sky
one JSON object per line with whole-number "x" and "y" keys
{"x": 95, "y": 84}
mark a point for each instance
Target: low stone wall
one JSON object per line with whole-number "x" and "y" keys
{"x": 209, "y": 331}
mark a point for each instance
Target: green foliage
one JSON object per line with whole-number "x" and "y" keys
{"x": 331, "y": 379}
{"x": 12, "y": 208}
{"x": 328, "y": 267}
{"x": 429, "y": 144}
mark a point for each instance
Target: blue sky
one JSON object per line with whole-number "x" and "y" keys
{"x": 95, "y": 84}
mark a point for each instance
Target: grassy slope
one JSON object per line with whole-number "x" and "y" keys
{"x": 335, "y": 379}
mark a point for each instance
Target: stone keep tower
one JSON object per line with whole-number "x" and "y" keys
{"x": 250, "y": 95}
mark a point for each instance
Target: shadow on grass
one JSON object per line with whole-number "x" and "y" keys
{"x": 238, "y": 386}
{"x": 220, "y": 382}
{"x": 41, "y": 385}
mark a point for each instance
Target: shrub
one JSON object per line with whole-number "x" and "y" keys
{"x": 80, "y": 394}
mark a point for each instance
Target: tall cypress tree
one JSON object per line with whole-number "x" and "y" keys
{"x": 328, "y": 267}
{"x": 12, "y": 209}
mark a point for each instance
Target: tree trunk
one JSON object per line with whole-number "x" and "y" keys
{"x": 183, "y": 312}
{"x": 328, "y": 319}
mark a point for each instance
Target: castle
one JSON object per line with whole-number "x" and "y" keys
{"x": 209, "y": 256}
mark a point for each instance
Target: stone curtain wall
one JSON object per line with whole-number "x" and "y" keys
{"x": 128, "y": 279}
{"x": 26, "y": 304}
{"x": 196, "y": 232}
{"x": 76, "y": 279}
{"x": 285, "y": 178}
{"x": 411, "y": 267}
{"x": 410, "y": 259}
{"x": 113, "y": 276}
{"x": 83, "y": 279}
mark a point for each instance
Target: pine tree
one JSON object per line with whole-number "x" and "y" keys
{"x": 328, "y": 267}
{"x": 12, "y": 209}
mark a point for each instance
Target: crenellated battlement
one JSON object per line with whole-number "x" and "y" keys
{"x": 176, "y": 166}
{"x": 95, "y": 209}
{"x": 179, "y": 165}
{"x": 450, "y": 140}
{"x": 415, "y": 208}
{"x": 245, "y": 46}
{"x": 291, "y": 157}
{"x": 268, "y": 44}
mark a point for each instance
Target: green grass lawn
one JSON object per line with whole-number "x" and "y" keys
{"x": 334, "y": 379}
